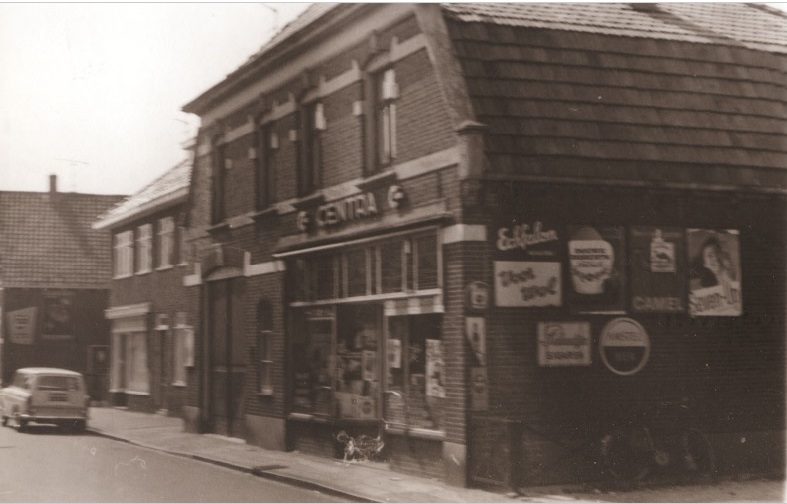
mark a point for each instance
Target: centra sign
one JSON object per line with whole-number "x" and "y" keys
{"x": 350, "y": 208}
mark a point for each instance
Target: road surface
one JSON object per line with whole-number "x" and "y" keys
{"x": 44, "y": 464}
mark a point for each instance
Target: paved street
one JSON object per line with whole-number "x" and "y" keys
{"x": 48, "y": 465}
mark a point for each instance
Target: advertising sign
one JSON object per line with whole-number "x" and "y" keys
{"x": 624, "y": 346}
{"x": 435, "y": 379}
{"x": 479, "y": 389}
{"x": 516, "y": 239}
{"x": 527, "y": 284}
{"x": 564, "y": 344}
{"x": 596, "y": 259}
{"x": 22, "y": 325}
{"x": 475, "y": 329}
{"x": 715, "y": 282}
{"x": 658, "y": 274}
{"x": 58, "y": 308}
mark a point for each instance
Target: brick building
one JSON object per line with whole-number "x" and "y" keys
{"x": 486, "y": 222}
{"x": 150, "y": 312}
{"x": 54, "y": 284}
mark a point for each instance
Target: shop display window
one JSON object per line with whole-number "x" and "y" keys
{"x": 325, "y": 273}
{"x": 356, "y": 272}
{"x": 357, "y": 385}
{"x": 415, "y": 372}
{"x": 391, "y": 265}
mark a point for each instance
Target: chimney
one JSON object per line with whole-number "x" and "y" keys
{"x": 52, "y": 183}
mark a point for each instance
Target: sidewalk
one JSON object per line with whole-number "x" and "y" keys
{"x": 356, "y": 481}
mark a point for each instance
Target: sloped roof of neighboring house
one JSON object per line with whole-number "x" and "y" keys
{"x": 47, "y": 240}
{"x": 169, "y": 189}
{"x": 661, "y": 91}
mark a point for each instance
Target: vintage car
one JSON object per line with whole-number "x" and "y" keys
{"x": 46, "y": 395}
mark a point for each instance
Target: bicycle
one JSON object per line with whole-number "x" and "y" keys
{"x": 632, "y": 452}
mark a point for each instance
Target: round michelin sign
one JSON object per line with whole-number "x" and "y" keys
{"x": 624, "y": 346}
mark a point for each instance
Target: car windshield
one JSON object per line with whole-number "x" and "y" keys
{"x": 57, "y": 383}
{"x": 21, "y": 380}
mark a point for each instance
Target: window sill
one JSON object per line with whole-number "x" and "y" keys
{"x": 416, "y": 432}
{"x": 131, "y": 392}
{"x": 165, "y": 268}
{"x": 121, "y": 277}
{"x": 265, "y": 393}
{"x": 266, "y": 212}
{"x": 181, "y": 384}
{"x": 221, "y": 226}
{"x": 144, "y": 272}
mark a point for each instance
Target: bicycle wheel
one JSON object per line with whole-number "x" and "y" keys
{"x": 626, "y": 454}
{"x": 698, "y": 456}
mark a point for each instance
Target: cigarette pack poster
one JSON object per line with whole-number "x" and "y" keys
{"x": 715, "y": 279}
{"x": 658, "y": 272}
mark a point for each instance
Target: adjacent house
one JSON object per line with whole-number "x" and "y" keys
{"x": 54, "y": 284}
{"x": 150, "y": 314}
{"x": 486, "y": 232}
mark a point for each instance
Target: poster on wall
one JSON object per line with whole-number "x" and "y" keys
{"x": 21, "y": 325}
{"x": 434, "y": 368}
{"x": 479, "y": 389}
{"x": 475, "y": 329}
{"x": 394, "y": 353}
{"x": 658, "y": 274}
{"x": 563, "y": 344}
{"x": 58, "y": 315}
{"x": 596, "y": 259}
{"x": 528, "y": 284}
{"x": 715, "y": 275}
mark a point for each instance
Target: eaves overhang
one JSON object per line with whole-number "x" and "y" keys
{"x": 168, "y": 200}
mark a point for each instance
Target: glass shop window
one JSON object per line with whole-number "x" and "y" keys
{"x": 357, "y": 361}
{"x": 416, "y": 380}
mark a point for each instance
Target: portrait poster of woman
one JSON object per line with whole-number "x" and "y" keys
{"x": 715, "y": 279}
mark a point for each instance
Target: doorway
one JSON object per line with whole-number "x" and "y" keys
{"x": 226, "y": 356}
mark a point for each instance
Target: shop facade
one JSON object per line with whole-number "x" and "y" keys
{"x": 432, "y": 225}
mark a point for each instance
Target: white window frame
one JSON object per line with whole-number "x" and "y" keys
{"x": 137, "y": 372}
{"x": 166, "y": 242}
{"x": 124, "y": 254}
{"x": 183, "y": 354}
{"x": 386, "y": 122}
{"x": 265, "y": 362}
{"x": 144, "y": 248}
{"x": 182, "y": 246}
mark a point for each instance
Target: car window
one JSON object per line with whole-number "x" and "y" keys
{"x": 57, "y": 383}
{"x": 21, "y": 380}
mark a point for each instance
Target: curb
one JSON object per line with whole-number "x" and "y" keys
{"x": 281, "y": 478}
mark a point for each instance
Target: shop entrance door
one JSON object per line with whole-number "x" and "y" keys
{"x": 227, "y": 364}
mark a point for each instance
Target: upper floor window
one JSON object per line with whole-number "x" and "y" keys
{"x": 182, "y": 245}
{"x": 268, "y": 144}
{"x": 219, "y": 170}
{"x": 144, "y": 248}
{"x": 166, "y": 241}
{"x": 124, "y": 254}
{"x": 309, "y": 169}
{"x": 386, "y": 92}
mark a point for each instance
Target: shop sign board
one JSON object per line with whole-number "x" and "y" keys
{"x": 528, "y": 284}
{"x": 596, "y": 261}
{"x": 351, "y": 208}
{"x": 624, "y": 346}
{"x": 516, "y": 239}
{"x": 479, "y": 389}
{"x": 715, "y": 280}
{"x": 563, "y": 344}
{"x": 22, "y": 325}
{"x": 658, "y": 274}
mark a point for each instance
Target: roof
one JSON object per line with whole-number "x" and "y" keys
{"x": 169, "y": 189}
{"x": 47, "y": 371}
{"x": 751, "y": 25}
{"x": 48, "y": 241}
{"x": 641, "y": 91}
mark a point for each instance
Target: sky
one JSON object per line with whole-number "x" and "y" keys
{"x": 92, "y": 92}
